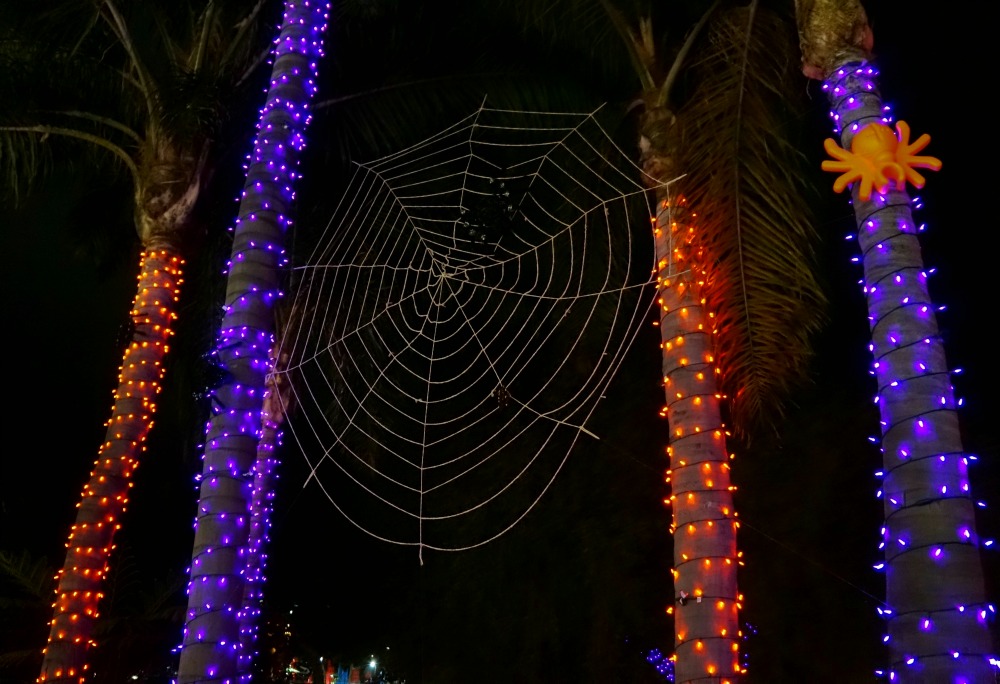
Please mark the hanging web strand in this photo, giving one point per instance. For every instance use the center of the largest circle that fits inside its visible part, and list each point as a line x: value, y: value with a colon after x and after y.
x: 460, y: 317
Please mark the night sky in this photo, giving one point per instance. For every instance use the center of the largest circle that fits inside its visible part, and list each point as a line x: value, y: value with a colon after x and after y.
x: 597, y: 547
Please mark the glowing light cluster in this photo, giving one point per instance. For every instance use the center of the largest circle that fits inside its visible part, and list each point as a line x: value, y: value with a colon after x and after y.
x: 265, y: 477
x: 928, y: 539
x: 105, y: 496
x: 704, y: 524
x: 235, y: 485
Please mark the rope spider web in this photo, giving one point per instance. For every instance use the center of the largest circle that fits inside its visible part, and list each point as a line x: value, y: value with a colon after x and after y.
x: 459, y: 319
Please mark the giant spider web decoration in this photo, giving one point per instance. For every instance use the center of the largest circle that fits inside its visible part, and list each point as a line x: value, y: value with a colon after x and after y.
x: 459, y: 319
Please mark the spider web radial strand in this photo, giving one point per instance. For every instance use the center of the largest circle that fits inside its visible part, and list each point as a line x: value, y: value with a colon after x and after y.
x: 459, y: 318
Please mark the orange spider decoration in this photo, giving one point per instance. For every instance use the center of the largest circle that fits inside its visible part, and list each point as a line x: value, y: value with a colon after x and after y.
x: 877, y: 156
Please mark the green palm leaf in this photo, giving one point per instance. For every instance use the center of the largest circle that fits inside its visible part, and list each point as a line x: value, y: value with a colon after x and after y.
x: 748, y: 184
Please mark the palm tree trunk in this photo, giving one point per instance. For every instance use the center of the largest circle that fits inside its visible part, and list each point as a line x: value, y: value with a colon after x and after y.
x: 936, y: 612
x: 105, y: 496
x: 707, y: 602
x: 265, y: 476
x: 261, y: 507
x: 210, y: 651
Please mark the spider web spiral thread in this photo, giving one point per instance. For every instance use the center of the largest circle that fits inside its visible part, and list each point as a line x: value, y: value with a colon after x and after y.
x: 458, y: 320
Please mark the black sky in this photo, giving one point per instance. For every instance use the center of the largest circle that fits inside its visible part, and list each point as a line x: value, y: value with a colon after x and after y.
x: 809, y: 585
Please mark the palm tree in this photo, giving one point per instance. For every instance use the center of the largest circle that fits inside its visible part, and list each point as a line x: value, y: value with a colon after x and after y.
x: 142, y: 86
x: 170, y: 72
x: 235, y: 482
x: 738, y: 298
x: 936, y: 611
x: 277, y: 402
x: 747, y: 261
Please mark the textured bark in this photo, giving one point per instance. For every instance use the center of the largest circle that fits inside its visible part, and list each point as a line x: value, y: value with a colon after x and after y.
x: 265, y: 476
x: 706, y: 608
x: 216, y: 623
x: 105, y: 496
x: 831, y: 33
x: 935, y: 596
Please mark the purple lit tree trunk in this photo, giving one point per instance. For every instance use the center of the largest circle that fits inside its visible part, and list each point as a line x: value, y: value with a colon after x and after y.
x: 221, y: 557
x: 276, y: 402
x: 936, y: 612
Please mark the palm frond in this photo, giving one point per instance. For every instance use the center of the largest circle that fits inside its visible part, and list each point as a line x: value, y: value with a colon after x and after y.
x: 595, y: 33
x: 27, y: 584
x: 394, y: 85
x: 60, y: 100
x: 135, y: 598
x: 242, y: 52
x: 22, y: 160
x: 745, y: 182
x: 29, y: 575
x: 13, y: 659
x: 135, y: 65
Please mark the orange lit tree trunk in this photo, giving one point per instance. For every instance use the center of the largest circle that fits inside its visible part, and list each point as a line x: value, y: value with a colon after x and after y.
x: 706, y: 611
x: 168, y: 182
x: 706, y: 599
x: 105, y: 496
